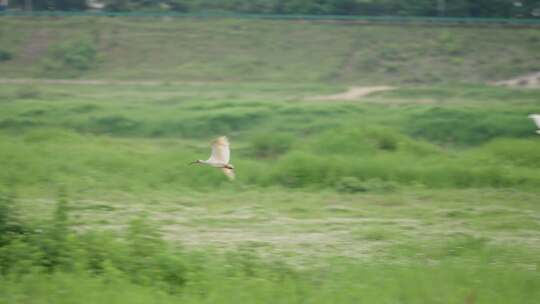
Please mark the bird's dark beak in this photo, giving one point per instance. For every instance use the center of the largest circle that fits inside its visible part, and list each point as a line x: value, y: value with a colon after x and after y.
x: 194, y: 162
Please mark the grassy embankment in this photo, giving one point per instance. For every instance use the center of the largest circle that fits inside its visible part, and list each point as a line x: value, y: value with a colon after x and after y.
x: 266, y: 51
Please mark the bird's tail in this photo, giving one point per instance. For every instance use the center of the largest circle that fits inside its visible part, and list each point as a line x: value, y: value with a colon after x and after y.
x: 229, y: 173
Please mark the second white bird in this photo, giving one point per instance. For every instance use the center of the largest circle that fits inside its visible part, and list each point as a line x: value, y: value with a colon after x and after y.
x: 536, y: 119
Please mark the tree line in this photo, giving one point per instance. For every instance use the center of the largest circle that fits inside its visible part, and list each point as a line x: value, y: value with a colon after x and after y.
x: 446, y: 8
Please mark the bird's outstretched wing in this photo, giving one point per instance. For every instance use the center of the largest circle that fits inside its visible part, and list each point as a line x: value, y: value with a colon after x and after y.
x: 220, y: 150
x: 229, y: 173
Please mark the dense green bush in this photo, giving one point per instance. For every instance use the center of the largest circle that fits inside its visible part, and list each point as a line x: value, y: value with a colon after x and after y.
x: 297, y: 169
x: 28, y: 92
x: 113, y: 125
x: 10, y: 225
x: 16, y: 124
x: 102, y: 163
x: 351, y: 184
x: 5, y: 55
x: 462, y: 127
x: 76, y: 56
x: 271, y: 145
x: 371, y: 159
x: 132, y: 143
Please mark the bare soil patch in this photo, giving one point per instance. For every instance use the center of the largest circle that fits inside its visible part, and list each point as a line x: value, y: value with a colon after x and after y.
x: 353, y: 93
x: 525, y: 81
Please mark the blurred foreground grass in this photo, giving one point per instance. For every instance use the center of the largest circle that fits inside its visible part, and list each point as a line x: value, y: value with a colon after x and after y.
x: 383, y: 251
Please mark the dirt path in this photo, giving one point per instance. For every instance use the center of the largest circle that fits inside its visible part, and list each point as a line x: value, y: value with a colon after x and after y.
x: 353, y: 93
x: 526, y: 81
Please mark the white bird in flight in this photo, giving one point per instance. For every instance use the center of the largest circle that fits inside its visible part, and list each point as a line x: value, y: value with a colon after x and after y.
x: 220, y: 157
x: 536, y: 118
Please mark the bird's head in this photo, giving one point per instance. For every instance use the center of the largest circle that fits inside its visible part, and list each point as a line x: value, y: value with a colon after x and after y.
x: 198, y: 161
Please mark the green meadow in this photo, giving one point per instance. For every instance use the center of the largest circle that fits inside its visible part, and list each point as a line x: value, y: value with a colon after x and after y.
x: 140, y: 138
x: 421, y: 194
x: 426, y: 193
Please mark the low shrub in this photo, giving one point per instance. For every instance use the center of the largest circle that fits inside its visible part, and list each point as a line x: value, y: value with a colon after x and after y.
x: 71, y: 56
x: 28, y: 92
x: 460, y: 127
x: 351, y: 184
x: 5, y: 55
x: 113, y: 124
x: 271, y: 145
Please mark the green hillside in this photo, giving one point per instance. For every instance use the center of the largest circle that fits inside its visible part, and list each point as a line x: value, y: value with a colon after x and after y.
x: 261, y: 50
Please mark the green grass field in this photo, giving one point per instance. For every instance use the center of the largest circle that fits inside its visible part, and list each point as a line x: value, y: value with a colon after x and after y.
x: 427, y: 193
x: 421, y: 194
